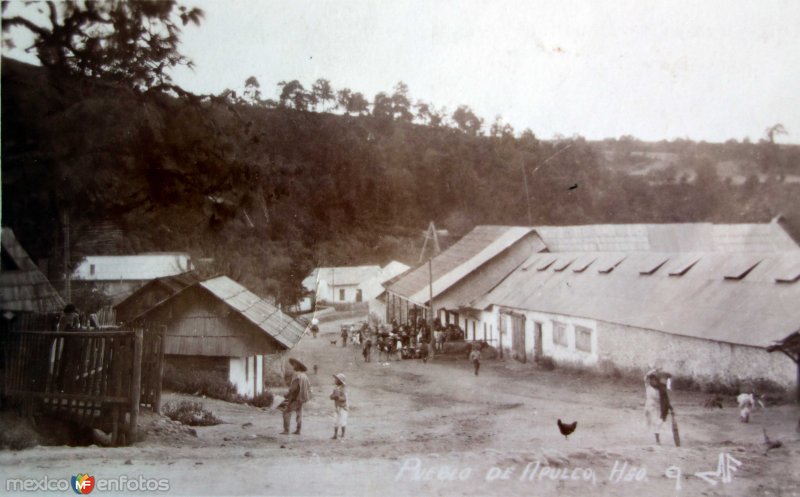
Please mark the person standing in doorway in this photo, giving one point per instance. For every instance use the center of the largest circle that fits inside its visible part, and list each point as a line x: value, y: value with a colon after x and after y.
x: 299, y: 394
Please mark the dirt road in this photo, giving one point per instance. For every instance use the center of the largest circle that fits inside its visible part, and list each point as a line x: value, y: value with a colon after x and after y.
x: 436, y: 429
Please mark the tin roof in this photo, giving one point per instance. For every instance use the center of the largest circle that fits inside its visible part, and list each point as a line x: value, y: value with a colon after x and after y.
x: 449, y: 267
x: 744, y: 298
x: 258, y: 311
x: 132, y: 267
x: 268, y: 318
x: 23, y: 288
x: 678, y: 237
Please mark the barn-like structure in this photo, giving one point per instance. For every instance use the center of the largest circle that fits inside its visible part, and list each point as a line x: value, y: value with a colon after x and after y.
x: 218, y: 325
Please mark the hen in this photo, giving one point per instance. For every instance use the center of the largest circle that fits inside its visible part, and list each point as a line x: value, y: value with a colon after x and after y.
x: 567, y: 429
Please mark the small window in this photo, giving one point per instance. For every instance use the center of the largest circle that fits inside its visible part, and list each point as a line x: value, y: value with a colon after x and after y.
x: 341, y: 294
x: 562, y: 265
x: 610, y: 264
x: 91, y: 269
x: 650, y: 267
x: 683, y: 266
x: 583, y: 339
x: 530, y: 263
x: 359, y: 295
x: 582, y: 265
x: 739, y: 271
x: 560, y: 334
x: 546, y: 264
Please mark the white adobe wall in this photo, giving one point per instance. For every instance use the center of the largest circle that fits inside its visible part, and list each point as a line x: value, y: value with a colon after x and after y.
x: 703, y: 360
x: 247, y: 374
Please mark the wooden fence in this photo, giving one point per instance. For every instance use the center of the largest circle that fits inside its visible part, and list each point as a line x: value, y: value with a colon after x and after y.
x: 93, y: 378
x: 154, y: 338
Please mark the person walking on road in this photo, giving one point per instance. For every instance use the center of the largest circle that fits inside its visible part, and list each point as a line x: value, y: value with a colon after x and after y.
x: 367, y: 350
x: 299, y: 394
x: 339, y: 397
x: 475, y: 357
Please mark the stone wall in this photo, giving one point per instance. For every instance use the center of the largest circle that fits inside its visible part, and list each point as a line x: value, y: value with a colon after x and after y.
x: 705, y: 361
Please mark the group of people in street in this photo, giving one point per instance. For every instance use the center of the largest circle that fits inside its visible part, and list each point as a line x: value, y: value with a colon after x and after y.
x: 395, y: 339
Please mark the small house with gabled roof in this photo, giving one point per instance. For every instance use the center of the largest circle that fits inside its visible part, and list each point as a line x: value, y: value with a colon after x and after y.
x: 218, y: 325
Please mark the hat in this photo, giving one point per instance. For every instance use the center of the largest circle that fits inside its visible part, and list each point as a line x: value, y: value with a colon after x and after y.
x: 297, y: 365
x: 340, y: 377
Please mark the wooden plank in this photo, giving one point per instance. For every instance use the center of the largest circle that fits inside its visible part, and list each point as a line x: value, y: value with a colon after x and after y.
x: 160, y: 375
x: 136, y: 384
x: 71, y: 396
x: 60, y: 334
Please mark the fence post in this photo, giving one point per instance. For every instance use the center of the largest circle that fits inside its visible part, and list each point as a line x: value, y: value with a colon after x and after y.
x: 160, y: 377
x: 136, y: 384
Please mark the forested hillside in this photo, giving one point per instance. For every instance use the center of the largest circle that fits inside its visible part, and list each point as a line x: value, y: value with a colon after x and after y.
x: 270, y: 191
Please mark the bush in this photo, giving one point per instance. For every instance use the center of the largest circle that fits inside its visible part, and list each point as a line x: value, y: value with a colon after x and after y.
x: 190, y: 413
x: 767, y: 386
x: 263, y: 399
x: 214, y: 386
x: 685, y: 383
x: 274, y: 379
x: 608, y: 368
x: 199, y: 383
x: 547, y: 363
x: 721, y: 387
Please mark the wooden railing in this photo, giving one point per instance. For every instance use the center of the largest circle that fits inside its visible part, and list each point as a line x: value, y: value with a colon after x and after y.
x: 93, y: 378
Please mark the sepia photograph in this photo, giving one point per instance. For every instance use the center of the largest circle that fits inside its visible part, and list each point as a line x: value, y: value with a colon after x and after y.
x: 400, y: 248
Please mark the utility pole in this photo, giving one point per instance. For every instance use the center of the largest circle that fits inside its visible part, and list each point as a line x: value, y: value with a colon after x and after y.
x: 431, y: 345
x: 432, y: 235
x: 67, y: 283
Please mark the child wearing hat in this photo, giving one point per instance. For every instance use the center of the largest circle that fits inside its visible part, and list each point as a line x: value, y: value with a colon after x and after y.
x: 339, y: 397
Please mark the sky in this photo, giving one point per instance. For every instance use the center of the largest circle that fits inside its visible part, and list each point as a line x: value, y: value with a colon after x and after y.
x: 656, y: 70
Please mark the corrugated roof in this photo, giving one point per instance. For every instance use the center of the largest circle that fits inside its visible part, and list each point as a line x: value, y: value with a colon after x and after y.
x: 173, y: 284
x: 132, y: 267
x: 487, y: 276
x: 677, y: 297
x: 258, y: 311
x: 680, y: 237
x: 470, y: 252
x: 25, y: 289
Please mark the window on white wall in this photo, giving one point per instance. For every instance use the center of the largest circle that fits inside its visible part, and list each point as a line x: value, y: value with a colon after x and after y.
x: 583, y: 339
x: 560, y: 334
x: 341, y: 294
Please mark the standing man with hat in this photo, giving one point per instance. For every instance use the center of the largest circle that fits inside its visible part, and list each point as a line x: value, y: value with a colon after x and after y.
x: 299, y: 394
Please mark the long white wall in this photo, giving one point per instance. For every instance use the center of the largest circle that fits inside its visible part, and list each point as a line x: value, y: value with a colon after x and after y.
x: 603, y: 344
